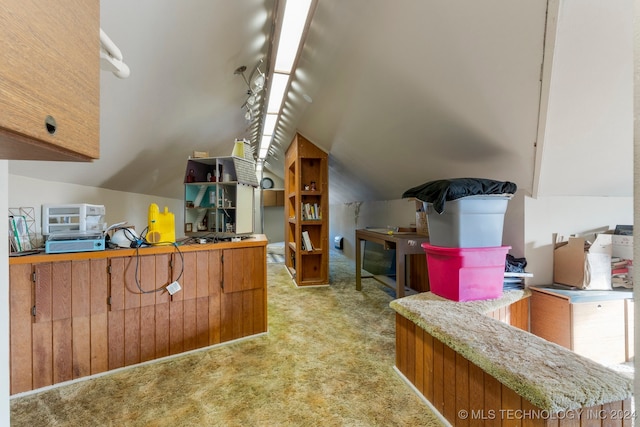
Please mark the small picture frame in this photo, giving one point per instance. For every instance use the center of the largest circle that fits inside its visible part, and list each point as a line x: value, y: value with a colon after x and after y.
x: 188, y: 227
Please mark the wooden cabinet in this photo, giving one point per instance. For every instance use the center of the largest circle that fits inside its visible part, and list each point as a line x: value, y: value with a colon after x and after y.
x: 307, y: 212
x: 595, y: 326
x: 272, y: 198
x: 219, y: 196
x: 50, y: 80
x: 77, y: 317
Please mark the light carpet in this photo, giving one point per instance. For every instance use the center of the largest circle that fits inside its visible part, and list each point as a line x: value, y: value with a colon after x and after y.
x: 327, y: 360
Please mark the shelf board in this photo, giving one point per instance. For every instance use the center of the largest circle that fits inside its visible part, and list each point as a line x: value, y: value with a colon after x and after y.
x: 292, y: 246
x: 316, y: 251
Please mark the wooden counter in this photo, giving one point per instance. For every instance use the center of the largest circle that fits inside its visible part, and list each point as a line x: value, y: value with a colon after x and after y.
x: 473, y: 369
x: 79, y: 314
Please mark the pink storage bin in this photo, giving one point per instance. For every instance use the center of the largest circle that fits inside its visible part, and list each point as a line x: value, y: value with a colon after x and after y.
x: 466, y: 274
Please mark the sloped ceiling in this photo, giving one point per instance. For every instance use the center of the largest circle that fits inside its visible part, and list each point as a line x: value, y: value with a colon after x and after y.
x: 402, y: 92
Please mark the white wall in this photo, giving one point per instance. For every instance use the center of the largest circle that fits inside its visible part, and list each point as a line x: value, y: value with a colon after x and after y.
x: 4, y: 300
x: 272, y: 224
x: 119, y: 206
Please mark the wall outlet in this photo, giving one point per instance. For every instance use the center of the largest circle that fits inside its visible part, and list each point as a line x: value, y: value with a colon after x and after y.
x: 173, y: 287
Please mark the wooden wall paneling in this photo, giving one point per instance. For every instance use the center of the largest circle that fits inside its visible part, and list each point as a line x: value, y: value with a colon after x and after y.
x: 161, y: 320
x: 99, y: 317
x: 150, y: 288
x: 236, y: 315
x: 189, y: 280
x: 42, y: 354
x: 116, y: 284
x: 461, y: 393
x: 259, y: 311
x: 202, y: 274
x: 20, y: 303
x: 511, y: 406
x: 176, y: 314
x: 449, y: 370
x: 62, y: 350
x: 492, y: 399
x: 202, y: 301
x: 419, y: 358
x: 537, y: 422
x: 427, y: 341
x: 522, y: 308
x: 410, y: 361
x: 476, y: 393
x: 190, y: 324
x: 132, y: 301
x: 401, y: 339
x: 215, y: 278
x: 61, y: 319
x: 42, y: 329
x: 202, y: 322
x: 42, y: 292
x: 81, y: 317
x: 116, y: 313
x: 226, y: 302
x: 438, y: 376
x: 61, y: 290
x: 247, y: 313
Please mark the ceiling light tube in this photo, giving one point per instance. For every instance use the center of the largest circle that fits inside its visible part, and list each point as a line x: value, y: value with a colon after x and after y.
x: 276, y: 95
x: 270, y: 124
x: 293, y: 23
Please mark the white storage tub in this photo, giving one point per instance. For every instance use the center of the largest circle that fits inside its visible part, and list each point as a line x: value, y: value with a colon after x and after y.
x: 468, y: 222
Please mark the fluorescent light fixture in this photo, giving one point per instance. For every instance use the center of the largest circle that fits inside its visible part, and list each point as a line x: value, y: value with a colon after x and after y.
x: 265, y: 142
x: 293, y: 22
x: 259, y: 165
x: 270, y: 124
x: 278, y: 86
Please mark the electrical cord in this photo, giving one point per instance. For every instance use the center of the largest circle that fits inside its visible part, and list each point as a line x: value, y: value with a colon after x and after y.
x: 163, y: 287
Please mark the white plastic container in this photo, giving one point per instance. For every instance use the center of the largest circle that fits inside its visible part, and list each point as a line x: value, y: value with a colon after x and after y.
x: 73, y: 218
x: 468, y: 222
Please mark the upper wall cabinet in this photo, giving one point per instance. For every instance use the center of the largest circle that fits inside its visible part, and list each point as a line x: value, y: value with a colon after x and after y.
x: 50, y: 80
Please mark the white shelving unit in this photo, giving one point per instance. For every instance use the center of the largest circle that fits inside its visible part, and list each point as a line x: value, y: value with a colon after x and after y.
x: 219, y: 196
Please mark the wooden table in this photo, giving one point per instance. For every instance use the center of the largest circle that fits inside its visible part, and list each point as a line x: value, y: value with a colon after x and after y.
x: 405, y: 243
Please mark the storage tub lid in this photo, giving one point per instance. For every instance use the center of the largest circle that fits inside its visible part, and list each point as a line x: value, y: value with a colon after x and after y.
x: 437, y: 192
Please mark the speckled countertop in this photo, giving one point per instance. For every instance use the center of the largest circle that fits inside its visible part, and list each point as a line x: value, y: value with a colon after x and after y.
x: 549, y: 376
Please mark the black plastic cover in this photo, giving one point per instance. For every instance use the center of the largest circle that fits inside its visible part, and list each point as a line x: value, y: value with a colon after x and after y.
x: 440, y: 191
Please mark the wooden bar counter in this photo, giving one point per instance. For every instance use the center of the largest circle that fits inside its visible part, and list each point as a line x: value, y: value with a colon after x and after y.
x: 79, y: 314
x: 477, y: 370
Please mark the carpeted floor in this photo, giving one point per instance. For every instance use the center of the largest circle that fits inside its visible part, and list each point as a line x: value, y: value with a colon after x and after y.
x: 327, y: 360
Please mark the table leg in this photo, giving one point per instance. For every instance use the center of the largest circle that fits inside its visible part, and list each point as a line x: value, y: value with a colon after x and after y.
x: 399, y: 272
x: 358, y: 266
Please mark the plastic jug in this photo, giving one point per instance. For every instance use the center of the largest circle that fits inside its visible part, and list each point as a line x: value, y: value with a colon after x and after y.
x: 162, y: 227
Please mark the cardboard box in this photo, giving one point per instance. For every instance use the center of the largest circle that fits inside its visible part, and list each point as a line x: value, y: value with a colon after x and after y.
x: 421, y: 218
x: 589, y: 268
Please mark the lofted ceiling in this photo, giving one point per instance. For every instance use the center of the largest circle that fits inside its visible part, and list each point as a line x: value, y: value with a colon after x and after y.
x: 397, y: 92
